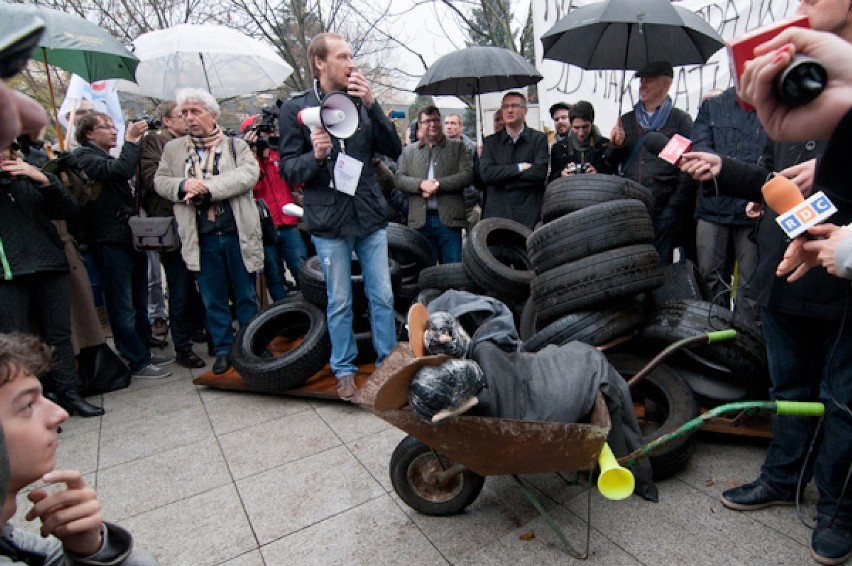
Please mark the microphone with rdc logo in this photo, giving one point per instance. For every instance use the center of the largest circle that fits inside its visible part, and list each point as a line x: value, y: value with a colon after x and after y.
x: 666, y: 148
x: 795, y: 213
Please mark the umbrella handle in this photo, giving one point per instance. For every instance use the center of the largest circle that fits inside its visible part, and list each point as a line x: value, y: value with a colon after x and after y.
x: 52, y: 100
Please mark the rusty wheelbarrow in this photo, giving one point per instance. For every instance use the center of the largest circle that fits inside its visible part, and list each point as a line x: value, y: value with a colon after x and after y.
x: 441, y: 469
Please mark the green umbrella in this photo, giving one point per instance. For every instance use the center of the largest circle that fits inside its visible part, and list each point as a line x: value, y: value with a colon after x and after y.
x: 71, y: 43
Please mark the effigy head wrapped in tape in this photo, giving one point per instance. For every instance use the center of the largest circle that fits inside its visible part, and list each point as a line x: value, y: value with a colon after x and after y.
x: 438, y: 392
x: 444, y: 335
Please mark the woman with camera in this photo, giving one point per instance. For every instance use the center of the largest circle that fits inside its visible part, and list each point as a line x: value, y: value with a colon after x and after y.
x: 34, y: 283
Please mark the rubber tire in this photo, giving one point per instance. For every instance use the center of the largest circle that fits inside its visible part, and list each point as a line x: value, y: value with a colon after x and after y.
x: 683, y: 281
x: 567, y: 194
x: 447, y: 276
x: 290, y: 319
x: 411, y: 250
x: 665, y: 389
x: 744, y: 357
x: 508, y: 276
x: 588, y: 231
x: 412, y: 456
x: 604, y: 277
x: 528, y: 325
x: 595, y: 327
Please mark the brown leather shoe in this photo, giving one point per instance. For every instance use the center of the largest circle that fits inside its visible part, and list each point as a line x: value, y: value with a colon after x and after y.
x: 346, y: 387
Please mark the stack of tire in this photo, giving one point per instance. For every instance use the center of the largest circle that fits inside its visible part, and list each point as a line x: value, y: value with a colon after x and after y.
x: 594, y: 262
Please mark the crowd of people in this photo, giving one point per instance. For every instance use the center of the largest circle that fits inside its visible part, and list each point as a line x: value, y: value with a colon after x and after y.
x: 208, y: 181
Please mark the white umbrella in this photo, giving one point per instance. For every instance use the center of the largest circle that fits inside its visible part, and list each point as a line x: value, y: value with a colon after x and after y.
x: 218, y: 59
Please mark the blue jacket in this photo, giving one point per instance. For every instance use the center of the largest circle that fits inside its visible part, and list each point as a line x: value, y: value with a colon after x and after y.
x: 330, y: 213
x: 724, y: 128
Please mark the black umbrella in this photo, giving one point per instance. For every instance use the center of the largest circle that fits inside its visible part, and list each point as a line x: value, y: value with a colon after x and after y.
x: 476, y: 70
x: 629, y: 34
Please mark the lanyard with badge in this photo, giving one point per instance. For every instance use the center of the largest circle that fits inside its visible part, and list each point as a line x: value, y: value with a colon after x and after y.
x: 347, y: 170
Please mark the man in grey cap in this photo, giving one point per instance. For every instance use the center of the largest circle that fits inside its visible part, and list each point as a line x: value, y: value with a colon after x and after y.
x: 672, y: 189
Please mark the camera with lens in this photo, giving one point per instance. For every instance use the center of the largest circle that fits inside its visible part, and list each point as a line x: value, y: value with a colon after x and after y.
x: 152, y: 121
x: 576, y: 168
x: 269, y: 125
x: 201, y: 201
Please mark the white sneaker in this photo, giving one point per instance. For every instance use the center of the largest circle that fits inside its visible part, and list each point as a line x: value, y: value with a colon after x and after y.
x: 151, y: 372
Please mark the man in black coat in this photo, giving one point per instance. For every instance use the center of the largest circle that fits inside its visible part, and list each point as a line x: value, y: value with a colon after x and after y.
x: 343, y: 219
x: 672, y: 189
x: 513, y: 166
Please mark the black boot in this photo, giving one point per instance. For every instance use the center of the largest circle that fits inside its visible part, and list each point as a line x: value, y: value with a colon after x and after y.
x: 74, y: 404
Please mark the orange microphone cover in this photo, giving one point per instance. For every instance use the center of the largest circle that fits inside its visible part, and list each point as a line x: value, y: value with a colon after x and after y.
x: 781, y: 194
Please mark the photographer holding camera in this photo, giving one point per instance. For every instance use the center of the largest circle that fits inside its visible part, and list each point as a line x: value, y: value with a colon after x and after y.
x: 582, y: 149
x: 123, y: 270
x: 261, y: 133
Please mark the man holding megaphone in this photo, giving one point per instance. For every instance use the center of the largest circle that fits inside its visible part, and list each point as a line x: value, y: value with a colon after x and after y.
x: 328, y: 136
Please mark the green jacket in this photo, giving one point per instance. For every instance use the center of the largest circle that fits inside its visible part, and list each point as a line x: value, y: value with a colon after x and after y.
x: 452, y: 170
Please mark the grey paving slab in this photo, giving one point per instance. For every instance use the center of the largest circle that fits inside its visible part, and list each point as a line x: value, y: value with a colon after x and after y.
x: 535, y: 544
x: 374, y: 453
x: 231, y: 410
x: 125, y: 441
x: 78, y: 425
x: 499, y: 510
x: 350, y: 421
x: 78, y: 452
x: 273, y: 443
x: 208, y: 528
x: 687, y: 527
x: 147, y: 483
x: 131, y: 405
x: 252, y: 558
x: 375, y: 533
x: 305, y: 492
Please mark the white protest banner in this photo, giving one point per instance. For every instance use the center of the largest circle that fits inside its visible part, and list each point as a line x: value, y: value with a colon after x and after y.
x: 566, y: 83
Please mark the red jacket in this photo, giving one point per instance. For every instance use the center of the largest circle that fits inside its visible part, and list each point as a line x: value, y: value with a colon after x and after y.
x: 273, y: 189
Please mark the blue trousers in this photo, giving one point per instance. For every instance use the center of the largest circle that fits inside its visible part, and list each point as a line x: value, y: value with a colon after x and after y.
x: 336, y: 260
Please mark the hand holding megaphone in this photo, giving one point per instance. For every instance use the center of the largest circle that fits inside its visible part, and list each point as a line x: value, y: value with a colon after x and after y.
x: 336, y: 114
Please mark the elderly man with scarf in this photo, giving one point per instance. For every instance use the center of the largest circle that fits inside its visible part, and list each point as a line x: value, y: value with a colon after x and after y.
x: 210, y: 177
x: 654, y: 113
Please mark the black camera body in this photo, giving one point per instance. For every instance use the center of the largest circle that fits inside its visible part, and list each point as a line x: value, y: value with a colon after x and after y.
x: 152, y: 121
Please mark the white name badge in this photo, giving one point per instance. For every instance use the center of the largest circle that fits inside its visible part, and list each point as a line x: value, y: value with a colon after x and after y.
x: 347, y: 172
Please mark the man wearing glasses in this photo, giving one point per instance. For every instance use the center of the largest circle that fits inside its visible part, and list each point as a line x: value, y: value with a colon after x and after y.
x: 513, y: 166
x: 180, y: 282
x: 123, y: 270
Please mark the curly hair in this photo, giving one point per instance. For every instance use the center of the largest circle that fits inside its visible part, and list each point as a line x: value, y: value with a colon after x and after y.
x: 23, y: 351
x: 86, y: 125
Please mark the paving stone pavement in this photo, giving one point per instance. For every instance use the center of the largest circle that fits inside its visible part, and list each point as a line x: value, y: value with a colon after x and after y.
x: 204, y: 477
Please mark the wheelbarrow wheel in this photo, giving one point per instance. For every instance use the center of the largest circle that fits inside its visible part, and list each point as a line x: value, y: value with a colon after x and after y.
x: 413, y: 469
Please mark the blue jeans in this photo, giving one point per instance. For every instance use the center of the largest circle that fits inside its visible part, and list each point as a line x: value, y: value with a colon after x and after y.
x: 124, y: 278
x: 94, y: 278
x: 290, y: 248
x: 336, y: 260
x: 809, y: 362
x: 222, y: 265
x: 446, y: 242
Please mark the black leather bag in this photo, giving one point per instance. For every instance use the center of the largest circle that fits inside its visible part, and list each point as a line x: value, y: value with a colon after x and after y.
x: 101, y: 370
x: 267, y: 225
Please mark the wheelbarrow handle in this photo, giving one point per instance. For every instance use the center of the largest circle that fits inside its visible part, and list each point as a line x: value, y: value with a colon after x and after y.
x: 797, y: 408
x: 708, y: 338
x: 800, y: 408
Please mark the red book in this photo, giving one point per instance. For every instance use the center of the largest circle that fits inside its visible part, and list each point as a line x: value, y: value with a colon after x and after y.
x: 741, y: 49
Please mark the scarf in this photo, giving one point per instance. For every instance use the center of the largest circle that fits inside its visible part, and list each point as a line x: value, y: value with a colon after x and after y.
x: 199, y: 170
x: 651, y: 122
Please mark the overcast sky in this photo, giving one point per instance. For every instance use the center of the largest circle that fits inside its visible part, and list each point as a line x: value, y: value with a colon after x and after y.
x: 430, y: 29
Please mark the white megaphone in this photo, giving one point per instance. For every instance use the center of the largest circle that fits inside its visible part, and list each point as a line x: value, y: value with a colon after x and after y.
x: 337, y: 114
